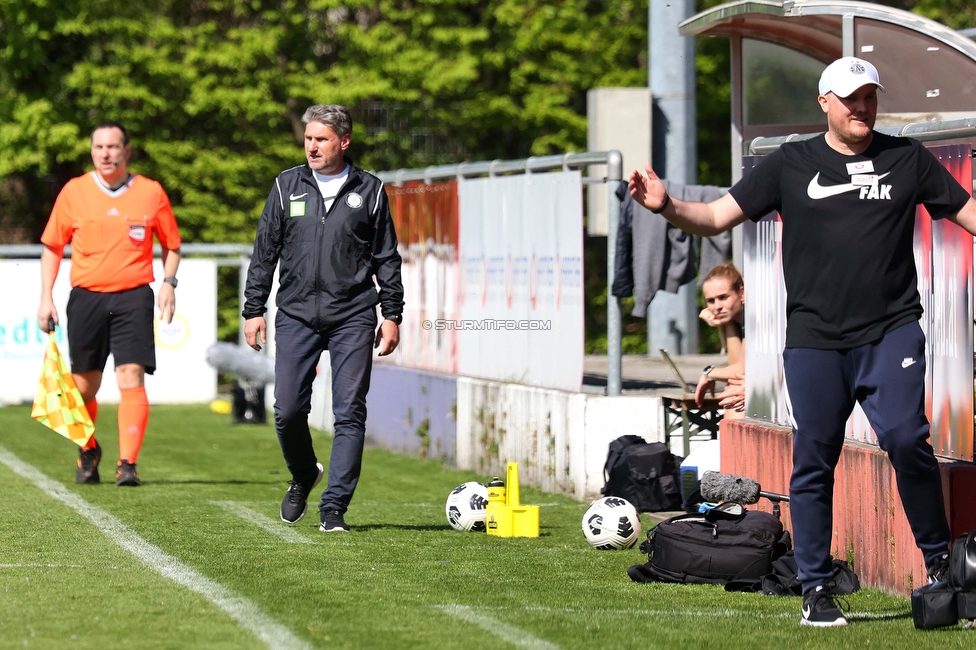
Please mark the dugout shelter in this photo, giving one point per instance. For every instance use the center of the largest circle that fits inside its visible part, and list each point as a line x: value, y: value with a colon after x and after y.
x: 779, y: 50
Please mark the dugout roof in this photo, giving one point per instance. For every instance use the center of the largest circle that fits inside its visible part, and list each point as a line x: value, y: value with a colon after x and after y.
x: 779, y: 50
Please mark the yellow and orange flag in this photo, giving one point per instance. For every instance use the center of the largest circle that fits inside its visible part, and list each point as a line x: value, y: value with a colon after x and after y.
x: 57, y: 402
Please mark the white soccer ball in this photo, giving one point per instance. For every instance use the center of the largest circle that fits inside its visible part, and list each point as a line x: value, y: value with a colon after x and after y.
x: 467, y: 507
x: 611, y: 522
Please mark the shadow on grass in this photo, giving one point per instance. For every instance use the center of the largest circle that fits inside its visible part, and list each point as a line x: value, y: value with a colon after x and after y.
x: 420, y: 527
x: 206, y: 482
x: 866, y: 617
x: 423, y: 527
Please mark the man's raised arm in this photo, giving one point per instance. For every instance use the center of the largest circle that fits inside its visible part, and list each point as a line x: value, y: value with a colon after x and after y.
x: 705, y: 219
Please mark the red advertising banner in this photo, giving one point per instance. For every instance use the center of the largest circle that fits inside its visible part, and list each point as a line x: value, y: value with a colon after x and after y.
x: 426, y: 220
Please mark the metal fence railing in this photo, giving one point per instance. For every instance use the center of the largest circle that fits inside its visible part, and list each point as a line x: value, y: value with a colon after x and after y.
x: 614, y: 162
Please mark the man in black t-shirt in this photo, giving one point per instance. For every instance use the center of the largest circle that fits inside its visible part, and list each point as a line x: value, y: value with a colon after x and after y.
x: 847, y: 200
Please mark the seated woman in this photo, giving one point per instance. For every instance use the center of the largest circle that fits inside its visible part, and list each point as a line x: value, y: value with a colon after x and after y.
x: 724, y: 295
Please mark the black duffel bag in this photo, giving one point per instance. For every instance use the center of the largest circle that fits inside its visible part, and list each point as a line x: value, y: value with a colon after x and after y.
x: 722, y: 544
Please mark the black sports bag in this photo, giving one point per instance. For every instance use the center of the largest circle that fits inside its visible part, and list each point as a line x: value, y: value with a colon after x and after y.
x: 962, y: 562
x: 934, y: 605
x: 725, y: 543
x: 646, y: 474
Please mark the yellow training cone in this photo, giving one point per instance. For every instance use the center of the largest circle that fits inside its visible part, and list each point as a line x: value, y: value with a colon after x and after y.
x: 58, y: 403
x: 506, y: 516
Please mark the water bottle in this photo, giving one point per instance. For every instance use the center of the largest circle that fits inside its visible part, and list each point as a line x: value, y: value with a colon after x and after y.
x: 496, y: 491
x: 496, y: 503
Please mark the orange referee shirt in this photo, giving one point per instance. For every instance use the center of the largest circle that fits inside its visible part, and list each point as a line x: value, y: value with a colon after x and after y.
x: 111, y: 232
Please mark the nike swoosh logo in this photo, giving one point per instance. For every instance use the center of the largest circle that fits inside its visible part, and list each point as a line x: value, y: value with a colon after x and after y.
x: 816, y: 191
x: 907, y: 362
x: 292, y: 197
x: 806, y: 611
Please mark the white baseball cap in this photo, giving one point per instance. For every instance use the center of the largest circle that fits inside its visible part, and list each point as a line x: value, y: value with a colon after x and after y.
x: 844, y: 76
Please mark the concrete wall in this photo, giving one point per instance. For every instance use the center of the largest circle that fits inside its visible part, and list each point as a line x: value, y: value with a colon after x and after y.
x: 559, y: 438
x: 407, y: 411
x: 540, y: 429
x: 412, y: 412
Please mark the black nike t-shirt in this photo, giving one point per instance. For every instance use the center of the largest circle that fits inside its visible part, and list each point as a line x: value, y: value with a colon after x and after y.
x: 848, y: 226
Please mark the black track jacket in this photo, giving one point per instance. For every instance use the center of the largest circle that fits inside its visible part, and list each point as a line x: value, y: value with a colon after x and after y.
x: 326, y: 260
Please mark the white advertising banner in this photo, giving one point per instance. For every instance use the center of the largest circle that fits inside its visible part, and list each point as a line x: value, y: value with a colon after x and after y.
x: 521, y: 251
x: 182, y: 373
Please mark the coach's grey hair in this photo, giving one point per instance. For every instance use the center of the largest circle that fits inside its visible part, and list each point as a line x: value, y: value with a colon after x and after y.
x: 333, y: 116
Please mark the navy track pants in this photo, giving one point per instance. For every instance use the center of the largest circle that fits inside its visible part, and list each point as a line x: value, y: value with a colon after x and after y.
x: 297, y: 351
x: 888, y: 379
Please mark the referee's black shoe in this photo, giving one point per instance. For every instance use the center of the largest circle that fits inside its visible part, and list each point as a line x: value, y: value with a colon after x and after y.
x: 820, y: 610
x: 87, y: 471
x: 126, y: 474
x: 295, y: 503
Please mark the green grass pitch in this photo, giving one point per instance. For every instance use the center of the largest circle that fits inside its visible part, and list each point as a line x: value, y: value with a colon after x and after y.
x: 208, y: 513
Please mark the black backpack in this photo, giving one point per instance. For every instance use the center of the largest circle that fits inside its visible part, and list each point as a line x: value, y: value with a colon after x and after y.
x: 784, y: 581
x: 720, y: 545
x: 646, y: 474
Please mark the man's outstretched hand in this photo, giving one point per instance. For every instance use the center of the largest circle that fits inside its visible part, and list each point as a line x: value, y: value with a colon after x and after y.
x: 648, y: 190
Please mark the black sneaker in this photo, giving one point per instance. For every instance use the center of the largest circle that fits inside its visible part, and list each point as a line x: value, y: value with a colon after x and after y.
x: 939, y: 569
x: 820, y: 610
x: 87, y: 471
x: 125, y: 474
x: 332, y: 522
x: 295, y: 503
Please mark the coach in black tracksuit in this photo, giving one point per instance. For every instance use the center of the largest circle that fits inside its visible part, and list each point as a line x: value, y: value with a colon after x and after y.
x: 847, y: 200
x: 327, y: 227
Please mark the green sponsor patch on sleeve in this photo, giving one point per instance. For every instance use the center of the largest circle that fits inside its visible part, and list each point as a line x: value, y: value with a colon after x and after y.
x: 297, y: 209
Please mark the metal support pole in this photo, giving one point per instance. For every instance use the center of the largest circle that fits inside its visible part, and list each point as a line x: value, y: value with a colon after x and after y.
x: 615, y: 167
x: 672, y: 322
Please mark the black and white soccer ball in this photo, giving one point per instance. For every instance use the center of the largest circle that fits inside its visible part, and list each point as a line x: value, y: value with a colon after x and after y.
x: 611, y: 523
x: 467, y: 507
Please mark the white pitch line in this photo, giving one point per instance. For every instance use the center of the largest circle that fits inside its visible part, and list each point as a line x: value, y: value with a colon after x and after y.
x: 515, y: 636
x: 246, y: 613
x: 263, y: 521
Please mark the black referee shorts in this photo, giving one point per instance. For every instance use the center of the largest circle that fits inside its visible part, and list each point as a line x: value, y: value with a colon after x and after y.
x: 120, y: 323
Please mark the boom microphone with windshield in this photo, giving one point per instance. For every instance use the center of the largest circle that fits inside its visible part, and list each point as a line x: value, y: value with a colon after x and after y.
x: 252, y: 371
x: 244, y: 363
x: 717, y: 487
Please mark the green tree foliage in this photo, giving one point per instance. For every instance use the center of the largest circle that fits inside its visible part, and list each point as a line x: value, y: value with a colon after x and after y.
x: 213, y: 92
x: 957, y: 14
